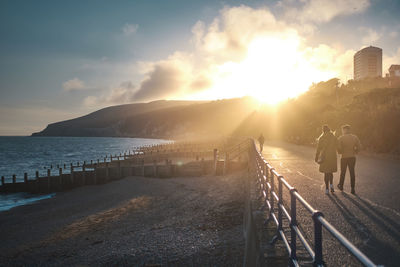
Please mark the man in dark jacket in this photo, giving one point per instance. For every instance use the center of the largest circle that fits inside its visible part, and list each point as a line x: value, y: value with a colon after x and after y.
x: 348, y: 145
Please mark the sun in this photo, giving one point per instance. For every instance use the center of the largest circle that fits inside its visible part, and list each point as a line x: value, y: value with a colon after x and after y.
x: 274, y: 70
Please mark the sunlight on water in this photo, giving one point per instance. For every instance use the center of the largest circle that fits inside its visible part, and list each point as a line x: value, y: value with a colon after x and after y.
x: 30, y: 154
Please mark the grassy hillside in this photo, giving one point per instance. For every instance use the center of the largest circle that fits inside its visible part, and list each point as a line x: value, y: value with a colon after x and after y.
x: 369, y: 106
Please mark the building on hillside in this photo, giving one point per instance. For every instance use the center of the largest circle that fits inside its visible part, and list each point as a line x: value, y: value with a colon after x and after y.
x: 394, y: 71
x: 368, y: 63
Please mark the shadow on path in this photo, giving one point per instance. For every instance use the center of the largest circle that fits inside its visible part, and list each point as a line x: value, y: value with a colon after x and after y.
x: 379, y: 252
x: 377, y: 216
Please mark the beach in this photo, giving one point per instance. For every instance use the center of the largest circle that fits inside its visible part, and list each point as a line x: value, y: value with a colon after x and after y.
x: 136, y: 221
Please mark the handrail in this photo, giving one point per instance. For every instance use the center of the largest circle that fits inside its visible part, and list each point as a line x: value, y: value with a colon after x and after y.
x: 266, y: 176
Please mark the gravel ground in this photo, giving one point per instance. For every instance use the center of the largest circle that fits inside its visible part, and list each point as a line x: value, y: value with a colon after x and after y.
x: 192, y: 221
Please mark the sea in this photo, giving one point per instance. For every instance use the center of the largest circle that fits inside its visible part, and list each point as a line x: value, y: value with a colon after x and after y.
x: 25, y: 154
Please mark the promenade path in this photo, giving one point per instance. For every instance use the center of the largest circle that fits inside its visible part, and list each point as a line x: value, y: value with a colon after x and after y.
x: 370, y: 219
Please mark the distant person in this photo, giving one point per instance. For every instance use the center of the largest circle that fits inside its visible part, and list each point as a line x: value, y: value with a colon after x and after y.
x: 348, y: 145
x: 326, y: 156
x: 261, y: 140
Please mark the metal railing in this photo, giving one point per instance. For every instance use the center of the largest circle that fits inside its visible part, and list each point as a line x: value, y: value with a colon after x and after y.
x: 267, y: 176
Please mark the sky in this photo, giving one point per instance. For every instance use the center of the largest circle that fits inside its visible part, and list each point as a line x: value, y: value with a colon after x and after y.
x: 63, y: 59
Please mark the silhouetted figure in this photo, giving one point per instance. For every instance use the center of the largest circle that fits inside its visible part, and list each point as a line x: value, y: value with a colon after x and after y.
x: 348, y: 145
x: 261, y: 140
x: 326, y: 156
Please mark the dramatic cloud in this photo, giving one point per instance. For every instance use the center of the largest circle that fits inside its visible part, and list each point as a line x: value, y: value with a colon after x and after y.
x: 130, y: 29
x: 118, y: 95
x: 246, y: 51
x: 74, y: 84
x: 317, y: 11
x: 370, y: 36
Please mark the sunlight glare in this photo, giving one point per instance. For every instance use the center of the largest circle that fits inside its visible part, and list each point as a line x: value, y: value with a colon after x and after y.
x: 275, y: 69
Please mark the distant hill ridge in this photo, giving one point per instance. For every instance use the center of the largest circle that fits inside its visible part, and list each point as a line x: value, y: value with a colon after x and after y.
x: 104, y: 122
x: 158, y: 119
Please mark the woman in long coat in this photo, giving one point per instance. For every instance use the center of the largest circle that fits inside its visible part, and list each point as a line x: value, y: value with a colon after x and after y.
x: 326, y: 156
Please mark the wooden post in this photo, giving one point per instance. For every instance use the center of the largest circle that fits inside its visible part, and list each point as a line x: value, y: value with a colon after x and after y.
x: 72, y: 175
x: 48, y: 179
x: 60, y: 178
x: 37, y: 180
x: 65, y: 167
x: 107, y: 172
x: 119, y: 170
x: 143, y: 167
x: 25, y: 178
x: 215, y: 160
x: 226, y: 162
x: 14, y: 179
x: 84, y: 173
x: 155, y: 168
x: 2, y: 180
x: 95, y: 173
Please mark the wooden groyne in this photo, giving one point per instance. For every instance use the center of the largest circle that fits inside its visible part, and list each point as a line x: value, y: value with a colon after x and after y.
x: 163, y: 161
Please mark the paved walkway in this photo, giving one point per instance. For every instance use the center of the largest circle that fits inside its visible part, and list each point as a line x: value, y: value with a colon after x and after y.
x: 370, y: 219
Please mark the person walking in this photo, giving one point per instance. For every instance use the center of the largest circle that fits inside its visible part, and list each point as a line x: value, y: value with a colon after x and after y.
x: 348, y: 146
x: 261, y: 140
x: 326, y: 157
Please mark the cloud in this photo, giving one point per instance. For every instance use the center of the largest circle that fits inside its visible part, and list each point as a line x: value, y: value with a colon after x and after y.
x: 388, y: 60
x: 242, y: 51
x: 120, y: 94
x: 74, y: 85
x: 370, y: 37
x: 321, y: 11
x: 394, y: 34
x: 130, y: 29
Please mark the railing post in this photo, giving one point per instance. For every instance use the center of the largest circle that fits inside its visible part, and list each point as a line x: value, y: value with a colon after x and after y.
x: 2, y: 180
x: 280, y: 203
x: 265, y: 172
x: 271, y: 196
x: 293, y: 222
x: 317, y: 239
x: 14, y: 178
x: 25, y: 178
